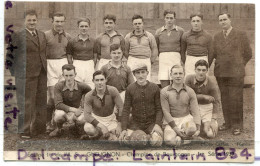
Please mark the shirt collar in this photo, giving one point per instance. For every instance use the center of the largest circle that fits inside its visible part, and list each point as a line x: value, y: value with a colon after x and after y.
x: 196, y: 32
x: 110, y: 65
x: 95, y: 92
x: 173, y: 28
x: 55, y: 32
x: 133, y: 34
x: 228, y: 31
x: 75, y: 87
x: 172, y: 88
x: 80, y: 39
x: 117, y: 33
x: 204, y: 83
x: 31, y: 31
x: 142, y: 86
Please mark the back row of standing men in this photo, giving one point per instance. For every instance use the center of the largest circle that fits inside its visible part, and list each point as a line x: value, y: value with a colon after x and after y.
x: 230, y: 48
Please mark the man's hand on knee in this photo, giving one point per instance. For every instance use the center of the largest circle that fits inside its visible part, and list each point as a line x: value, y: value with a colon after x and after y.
x: 117, y: 130
x: 180, y: 133
x: 78, y: 112
x: 104, y: 130
x: 156, y: 139
x: 214, y: 127
x: 197, y: 131
x: 122, y: 137
x: 157, y: 129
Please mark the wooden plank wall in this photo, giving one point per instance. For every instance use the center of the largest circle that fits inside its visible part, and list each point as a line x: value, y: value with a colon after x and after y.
x: 126, y: 10
x: 152, y: 13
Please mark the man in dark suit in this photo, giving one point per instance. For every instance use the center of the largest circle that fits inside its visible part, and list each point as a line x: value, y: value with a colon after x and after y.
x: 29, y: 69
x: 232, y: 51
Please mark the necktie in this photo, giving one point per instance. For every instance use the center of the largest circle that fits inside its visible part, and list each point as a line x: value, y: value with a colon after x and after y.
x: 225, y: 34
x: 35, y: 37
x: 34, y: 34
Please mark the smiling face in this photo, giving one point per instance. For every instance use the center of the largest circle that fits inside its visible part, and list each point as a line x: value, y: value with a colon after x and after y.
x: 69, y: 76
x: 177, y: 75
x: 196, y: 23
x: 201, y: 72
x: 224, y: 21
x: 83, y: 27
x: 138, y: 25
x: 31, y: 22
x: 109, y: 25
x: 169, y: 20
x: 58, y: 23
x: 141, y: 76
x: 116, y: 55
x: 100, y: 82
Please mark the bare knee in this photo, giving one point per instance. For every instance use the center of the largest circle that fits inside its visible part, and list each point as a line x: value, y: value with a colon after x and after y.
x: 156, y: 140
x: 173, y: 141
x: 190, y: 128
x: 209, y: 132
x: 80, y: 120
x: 170, y: 138
x: 89, y: 129
x: 112, y: 137
x: 59, y: 116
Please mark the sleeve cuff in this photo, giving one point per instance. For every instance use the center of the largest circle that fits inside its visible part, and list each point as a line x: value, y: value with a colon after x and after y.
x: 172, y: 124
x: 94, y: 122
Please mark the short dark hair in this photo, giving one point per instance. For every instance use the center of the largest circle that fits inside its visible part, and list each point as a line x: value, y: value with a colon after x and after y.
x: 136, y: 16
x: 68, y: 67
x: 201, y: 62
x: 99, y: 72
x: 168, y: 11
x: 229, y: 16
x: 196, y: 14
x: 110, y: 17
x: 178, y: 66
x: 30, y: 12
x: 114, y: 47
x: 58, y: 14
x: 83, y: 20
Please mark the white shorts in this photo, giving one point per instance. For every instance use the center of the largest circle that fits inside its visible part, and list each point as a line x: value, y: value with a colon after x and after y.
x: 102, y: 62
x: 206, y: 112
x: 190, y: 63
x: 166, y: 61
x: 84, y: 70
x: 178, y: 121
x: 132, y: 61
x: 109, y: 121
x: 54, y: 70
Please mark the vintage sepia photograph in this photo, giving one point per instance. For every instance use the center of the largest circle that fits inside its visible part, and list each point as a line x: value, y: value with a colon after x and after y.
x: 143, y: 82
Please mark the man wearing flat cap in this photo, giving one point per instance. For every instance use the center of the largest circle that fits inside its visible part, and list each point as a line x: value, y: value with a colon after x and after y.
x: 144, y: 99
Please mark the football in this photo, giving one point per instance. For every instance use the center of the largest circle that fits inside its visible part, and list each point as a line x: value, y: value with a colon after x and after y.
x: 189, y: 128
x: 138, y: 138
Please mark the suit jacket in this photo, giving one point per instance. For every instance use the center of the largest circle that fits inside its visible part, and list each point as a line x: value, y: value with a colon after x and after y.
x: 231, y: 54
x: 30, y: 56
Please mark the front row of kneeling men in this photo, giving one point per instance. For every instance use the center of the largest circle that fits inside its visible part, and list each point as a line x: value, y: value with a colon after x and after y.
x: 172, y: 114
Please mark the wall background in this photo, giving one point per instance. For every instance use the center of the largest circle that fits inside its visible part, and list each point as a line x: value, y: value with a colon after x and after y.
x: 243, y: 17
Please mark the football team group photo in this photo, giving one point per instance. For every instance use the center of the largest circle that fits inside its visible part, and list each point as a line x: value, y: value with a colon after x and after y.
x: 102, y: 87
